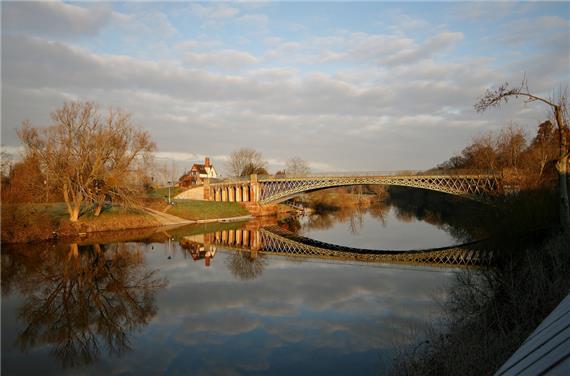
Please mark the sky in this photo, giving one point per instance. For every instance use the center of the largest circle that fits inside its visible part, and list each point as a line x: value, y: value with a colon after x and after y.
x: 346, y: 86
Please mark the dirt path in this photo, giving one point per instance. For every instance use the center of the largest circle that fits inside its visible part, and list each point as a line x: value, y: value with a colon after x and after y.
x: 167, y: 219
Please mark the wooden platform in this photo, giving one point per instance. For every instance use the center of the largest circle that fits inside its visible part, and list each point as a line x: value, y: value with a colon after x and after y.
x: 547, y: 350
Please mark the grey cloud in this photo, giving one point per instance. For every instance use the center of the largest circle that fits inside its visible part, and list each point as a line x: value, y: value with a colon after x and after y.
x: 388, y: 49
x: 54, y: 18
x: 147, y: 25
x: 432, y: 46
x: 226, y: 59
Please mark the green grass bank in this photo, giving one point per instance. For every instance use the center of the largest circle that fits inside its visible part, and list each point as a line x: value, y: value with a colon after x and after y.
x: 197, y: 210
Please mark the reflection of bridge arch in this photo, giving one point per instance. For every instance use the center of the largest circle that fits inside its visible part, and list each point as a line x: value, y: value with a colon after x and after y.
x: 274, y: 240
x: 273, y: 190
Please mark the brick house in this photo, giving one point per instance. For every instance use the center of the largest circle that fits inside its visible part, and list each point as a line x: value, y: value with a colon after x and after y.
x: 198, y: 173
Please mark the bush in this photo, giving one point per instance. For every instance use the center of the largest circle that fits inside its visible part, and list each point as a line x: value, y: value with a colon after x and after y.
x: 489, y: 313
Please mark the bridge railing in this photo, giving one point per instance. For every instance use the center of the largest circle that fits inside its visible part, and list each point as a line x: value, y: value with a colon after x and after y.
x: 386, y: 173
x: 364, y: 173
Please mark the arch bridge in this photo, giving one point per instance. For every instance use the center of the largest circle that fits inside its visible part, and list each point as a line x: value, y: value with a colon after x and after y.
x: 271, y: 190
x: 277, y: 241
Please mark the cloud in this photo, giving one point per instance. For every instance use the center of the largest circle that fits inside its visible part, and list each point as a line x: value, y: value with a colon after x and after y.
x: 374, y: 92
x: 55, y: 18
x: 257, y: 20
x: 226, y: 59
x: 379, y: 49
x: 433, y: 45
x: 214, y: 12
x: 537, y: 30
x: 144, y: 24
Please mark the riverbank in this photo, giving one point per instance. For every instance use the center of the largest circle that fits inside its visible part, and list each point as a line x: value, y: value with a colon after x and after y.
x: 490, y: 312
x: 31, y: 222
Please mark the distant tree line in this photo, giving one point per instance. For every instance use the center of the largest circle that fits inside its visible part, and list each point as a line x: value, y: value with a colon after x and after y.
x: 510, y: 150
x: 247, y: 161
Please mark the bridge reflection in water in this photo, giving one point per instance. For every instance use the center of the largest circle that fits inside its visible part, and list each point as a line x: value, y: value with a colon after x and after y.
x: 277, y: 241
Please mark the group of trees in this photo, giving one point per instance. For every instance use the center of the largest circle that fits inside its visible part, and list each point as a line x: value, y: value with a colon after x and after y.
x: 83, y: 158
x: 511, y: 150
x: 559, y: 111
x: 246, y: 161
x: 88, y: 159
x: 534, y: 163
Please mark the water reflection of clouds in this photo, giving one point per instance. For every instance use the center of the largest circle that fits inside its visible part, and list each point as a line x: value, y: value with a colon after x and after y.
x: 346, y: 309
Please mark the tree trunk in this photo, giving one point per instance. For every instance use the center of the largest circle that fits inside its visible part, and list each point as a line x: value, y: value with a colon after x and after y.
x: 72, y: 203
x: 99, y: 203
x: 74, y: 215
x: 562, y: 167
x: 73, y: 251
x: 98, y: 209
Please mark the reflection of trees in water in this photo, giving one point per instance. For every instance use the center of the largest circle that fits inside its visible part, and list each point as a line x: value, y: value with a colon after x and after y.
x: 356, y: 219
x: 246, y: 265
x: 460, y: 218
x: 82, y: 299
x: 352, y: 215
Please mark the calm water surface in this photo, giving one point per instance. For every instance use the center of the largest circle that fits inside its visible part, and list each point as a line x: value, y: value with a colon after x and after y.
x: 169, y: 305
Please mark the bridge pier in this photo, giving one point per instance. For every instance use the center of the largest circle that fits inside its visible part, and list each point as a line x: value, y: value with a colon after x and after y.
x: 245, y: 238
x: 238, y: 193
x: 232, y: 237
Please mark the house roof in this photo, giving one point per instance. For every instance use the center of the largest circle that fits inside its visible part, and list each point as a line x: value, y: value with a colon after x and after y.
x: 201, y: 168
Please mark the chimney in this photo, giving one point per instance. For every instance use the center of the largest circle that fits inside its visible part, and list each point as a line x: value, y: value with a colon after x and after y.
x: 207, y: 162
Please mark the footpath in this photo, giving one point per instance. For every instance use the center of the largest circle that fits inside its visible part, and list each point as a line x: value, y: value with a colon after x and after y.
x: 172, y: 220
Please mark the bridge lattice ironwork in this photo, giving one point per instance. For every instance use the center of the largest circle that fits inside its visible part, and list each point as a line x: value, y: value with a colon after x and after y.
x: 276, y: 241
x: 475, y: 187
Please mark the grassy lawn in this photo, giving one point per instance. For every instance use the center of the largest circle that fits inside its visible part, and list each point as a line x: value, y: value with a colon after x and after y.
x: 195, y: 209
x: 35, y: 213
x: 163, y: 192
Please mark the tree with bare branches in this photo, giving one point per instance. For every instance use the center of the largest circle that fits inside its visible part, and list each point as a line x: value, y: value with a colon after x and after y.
x: 496, y: 96
x: 93, y: 158
x: 297, y: 167
x: 246, y: 161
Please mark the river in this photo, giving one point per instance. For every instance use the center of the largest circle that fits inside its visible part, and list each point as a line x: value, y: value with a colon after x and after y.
x: 181, y: 302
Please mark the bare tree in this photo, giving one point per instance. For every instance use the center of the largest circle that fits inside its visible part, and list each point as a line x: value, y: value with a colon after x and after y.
x: 92, y: 158
x: 543, y: 149
x: 297, y: 167
x: 246, y: 161
x: 6, y: 163
x: 511, y: 144
x: 494, y: 97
